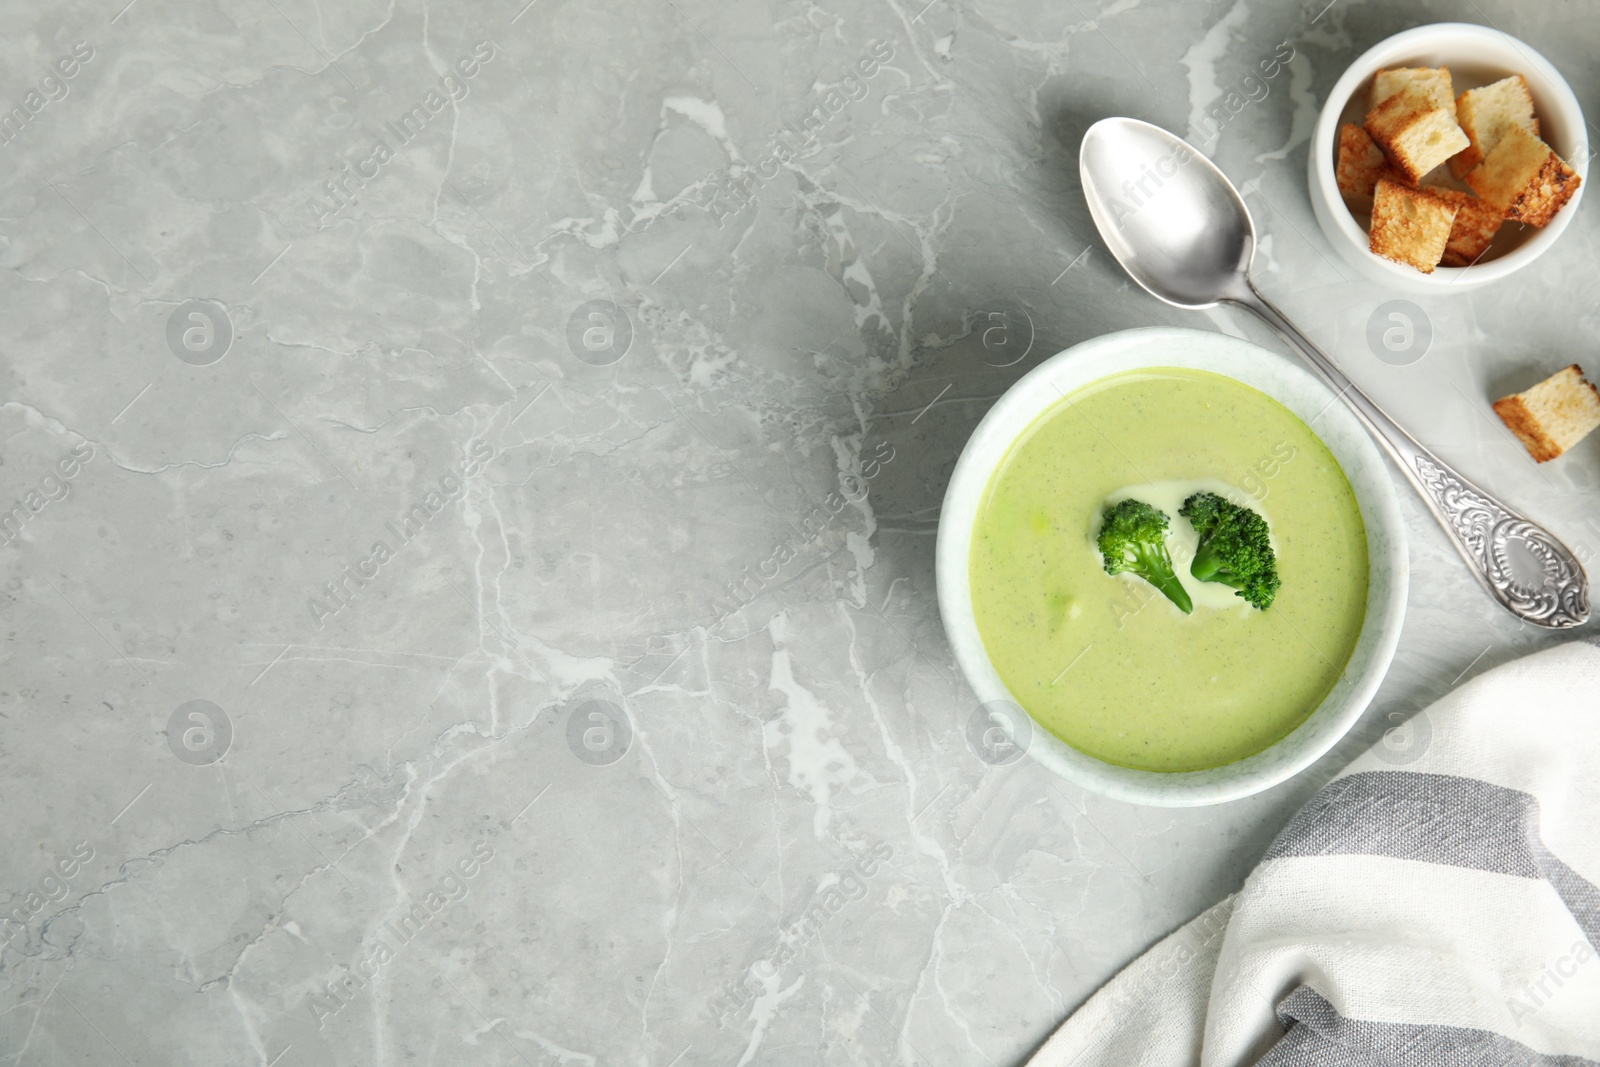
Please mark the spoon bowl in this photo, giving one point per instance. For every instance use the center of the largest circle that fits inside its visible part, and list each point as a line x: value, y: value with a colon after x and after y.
x: 1185, y: 241
x: 1182, y: 231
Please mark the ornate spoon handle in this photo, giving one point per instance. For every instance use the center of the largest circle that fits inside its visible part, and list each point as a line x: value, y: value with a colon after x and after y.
x: 1532, y: 574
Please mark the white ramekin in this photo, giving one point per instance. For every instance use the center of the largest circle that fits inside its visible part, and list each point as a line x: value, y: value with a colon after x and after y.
x: 1476, y: 55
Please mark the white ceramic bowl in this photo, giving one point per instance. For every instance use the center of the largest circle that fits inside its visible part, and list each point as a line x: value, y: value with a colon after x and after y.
x: 1476, y: 55
x: 1277, y: 376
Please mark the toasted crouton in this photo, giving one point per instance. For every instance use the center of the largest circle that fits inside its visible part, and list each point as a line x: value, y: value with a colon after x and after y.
x: 1524, y: 178
x: 1410, y: 226
x: 1415, y: 132
x: 1476, y: 223
x: 1432, y: 81
x: 1484, y: 116
x: 1554, y: 415
x: 1361, y: 163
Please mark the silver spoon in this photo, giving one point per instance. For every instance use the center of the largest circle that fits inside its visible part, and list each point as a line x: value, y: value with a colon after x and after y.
x: 1181, y: 230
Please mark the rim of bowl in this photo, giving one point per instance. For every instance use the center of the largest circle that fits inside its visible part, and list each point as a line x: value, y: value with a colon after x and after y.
x: 1530, y: 62
x: 1127, y: 350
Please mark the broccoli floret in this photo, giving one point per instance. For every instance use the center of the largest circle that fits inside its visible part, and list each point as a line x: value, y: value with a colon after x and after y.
x: 1133, y: 538
x: 1234, y: 548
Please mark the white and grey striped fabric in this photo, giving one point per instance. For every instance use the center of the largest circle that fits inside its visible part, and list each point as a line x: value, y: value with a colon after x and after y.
x: 1438, y: 908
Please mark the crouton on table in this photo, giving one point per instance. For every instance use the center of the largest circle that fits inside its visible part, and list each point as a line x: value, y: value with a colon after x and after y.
x: 1553, y: 415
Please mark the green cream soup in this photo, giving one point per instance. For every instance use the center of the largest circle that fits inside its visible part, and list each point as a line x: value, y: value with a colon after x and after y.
x: 1106, y: 663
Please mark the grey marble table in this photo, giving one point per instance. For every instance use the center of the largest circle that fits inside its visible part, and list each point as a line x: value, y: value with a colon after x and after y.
x: 473, y: 471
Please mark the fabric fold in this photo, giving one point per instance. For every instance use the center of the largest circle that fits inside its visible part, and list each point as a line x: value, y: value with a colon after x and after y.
x: 1443, y: 911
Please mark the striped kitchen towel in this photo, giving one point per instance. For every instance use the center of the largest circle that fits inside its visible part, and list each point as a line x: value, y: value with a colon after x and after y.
x: 1436, y: 905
